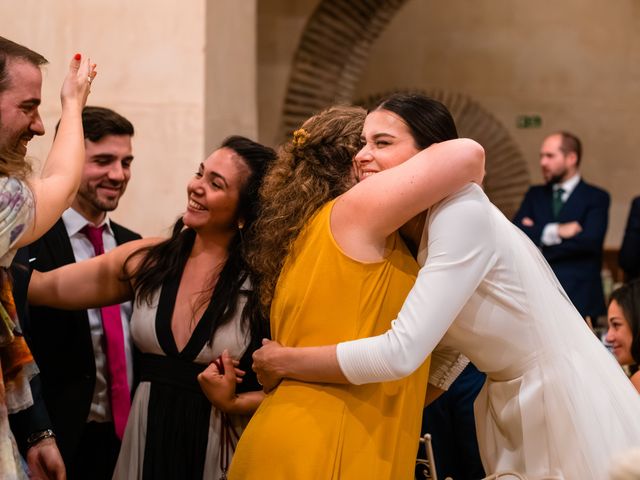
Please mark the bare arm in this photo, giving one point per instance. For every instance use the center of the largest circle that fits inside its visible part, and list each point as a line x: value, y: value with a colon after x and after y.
x: 56, y: 186
x: 92, y: 283
x: 368, y: 213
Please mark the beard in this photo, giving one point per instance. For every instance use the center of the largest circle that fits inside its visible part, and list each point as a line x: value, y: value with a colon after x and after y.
x: 555, y: 180
x: 557, y: 177
x: 96, y: 202
x: 13, y: 144
x: 13, y: 154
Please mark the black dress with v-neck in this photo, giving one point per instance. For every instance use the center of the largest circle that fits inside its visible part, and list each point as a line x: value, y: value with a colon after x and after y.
x: 178, y: 413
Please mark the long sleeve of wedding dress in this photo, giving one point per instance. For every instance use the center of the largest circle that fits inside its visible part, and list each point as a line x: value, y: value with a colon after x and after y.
x: 460, y: 253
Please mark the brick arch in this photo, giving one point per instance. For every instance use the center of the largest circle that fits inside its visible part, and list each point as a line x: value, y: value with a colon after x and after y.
x: 329, y: 62
x: 332, y: 54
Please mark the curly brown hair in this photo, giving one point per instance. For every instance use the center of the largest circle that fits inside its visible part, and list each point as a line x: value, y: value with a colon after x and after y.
x: 312, y: 168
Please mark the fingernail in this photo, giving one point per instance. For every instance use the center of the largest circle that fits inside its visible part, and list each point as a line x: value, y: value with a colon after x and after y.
x: 77, y: 56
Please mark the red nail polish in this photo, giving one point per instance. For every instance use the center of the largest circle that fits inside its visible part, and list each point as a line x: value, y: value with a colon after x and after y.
x: 77, y: 56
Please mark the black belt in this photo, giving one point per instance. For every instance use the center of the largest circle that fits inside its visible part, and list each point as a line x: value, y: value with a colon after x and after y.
x: 170, y: 371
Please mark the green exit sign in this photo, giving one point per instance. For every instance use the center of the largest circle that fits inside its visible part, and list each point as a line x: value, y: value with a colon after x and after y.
x: 528, y: 121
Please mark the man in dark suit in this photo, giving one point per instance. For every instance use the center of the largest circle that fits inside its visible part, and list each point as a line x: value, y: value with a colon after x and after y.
x: 72, y: 348
x: 629, y: 258
x: 567, y: 218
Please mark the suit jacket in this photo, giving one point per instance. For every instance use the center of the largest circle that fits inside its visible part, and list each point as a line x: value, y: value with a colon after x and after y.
x: 577, y: 261
x: 629, y: 258
x: 60, y: 341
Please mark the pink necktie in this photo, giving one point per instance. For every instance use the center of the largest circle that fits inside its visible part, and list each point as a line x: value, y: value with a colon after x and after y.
x: 114, y: 341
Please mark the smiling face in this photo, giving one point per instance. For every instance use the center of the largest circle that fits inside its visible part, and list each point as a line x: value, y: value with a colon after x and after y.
x: 387, y: 143
x: 106, y: 172
x: 214, y: 193
x: 619, y: 334
x: 19, y: 117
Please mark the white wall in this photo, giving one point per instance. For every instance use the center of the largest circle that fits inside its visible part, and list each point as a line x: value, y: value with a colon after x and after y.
x: 152, y: 58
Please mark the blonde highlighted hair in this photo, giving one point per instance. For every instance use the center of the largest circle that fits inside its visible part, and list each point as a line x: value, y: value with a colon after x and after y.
x: 14, y: 165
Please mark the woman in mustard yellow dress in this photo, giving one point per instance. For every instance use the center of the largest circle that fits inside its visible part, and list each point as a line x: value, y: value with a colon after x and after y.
x: 324, y: 246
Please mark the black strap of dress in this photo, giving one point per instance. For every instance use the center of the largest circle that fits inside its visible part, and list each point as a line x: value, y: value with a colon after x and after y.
x: 178, y: 412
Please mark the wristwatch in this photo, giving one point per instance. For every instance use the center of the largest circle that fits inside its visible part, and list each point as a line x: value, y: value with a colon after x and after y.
x: 39, y: 436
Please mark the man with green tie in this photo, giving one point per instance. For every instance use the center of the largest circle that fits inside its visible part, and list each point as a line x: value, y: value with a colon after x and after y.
x: 567, y: 218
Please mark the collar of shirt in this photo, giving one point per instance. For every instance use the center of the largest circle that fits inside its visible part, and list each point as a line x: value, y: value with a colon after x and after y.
x: 568, y: 186
x: 74, y: 222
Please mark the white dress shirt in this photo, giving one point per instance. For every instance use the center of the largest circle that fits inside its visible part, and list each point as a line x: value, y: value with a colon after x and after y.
x: 550, y: 234
x: 83, y: 250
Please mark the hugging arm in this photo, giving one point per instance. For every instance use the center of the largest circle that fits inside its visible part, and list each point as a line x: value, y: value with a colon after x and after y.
x: 375, y: 208
x: 461, y: 252
x: 88, y: 284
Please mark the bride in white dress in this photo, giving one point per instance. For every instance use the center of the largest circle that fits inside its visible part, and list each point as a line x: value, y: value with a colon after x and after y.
x: 555, y: 405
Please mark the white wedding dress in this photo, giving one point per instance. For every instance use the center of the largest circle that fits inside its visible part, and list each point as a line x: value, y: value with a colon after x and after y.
x: 555, y: 404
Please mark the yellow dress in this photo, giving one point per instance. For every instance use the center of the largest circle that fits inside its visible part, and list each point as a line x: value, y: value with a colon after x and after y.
x: 329, y: 431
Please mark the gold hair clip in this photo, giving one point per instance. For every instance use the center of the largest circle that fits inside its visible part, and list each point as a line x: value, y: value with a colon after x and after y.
x: 300, y: 137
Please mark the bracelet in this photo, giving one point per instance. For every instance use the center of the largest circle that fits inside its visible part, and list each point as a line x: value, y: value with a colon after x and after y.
x: 39, y: 436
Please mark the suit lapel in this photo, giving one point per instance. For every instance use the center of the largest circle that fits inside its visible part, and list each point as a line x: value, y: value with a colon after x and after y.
x: 122, y: 235
x: 548, y: 203
x: 117, y: 233
x: 58, y: 244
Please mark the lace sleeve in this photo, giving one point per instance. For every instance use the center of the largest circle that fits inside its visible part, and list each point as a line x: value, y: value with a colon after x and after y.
x: 446, y: 365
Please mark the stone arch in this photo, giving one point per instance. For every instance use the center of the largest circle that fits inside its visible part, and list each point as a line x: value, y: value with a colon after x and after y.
x: 332, y: 54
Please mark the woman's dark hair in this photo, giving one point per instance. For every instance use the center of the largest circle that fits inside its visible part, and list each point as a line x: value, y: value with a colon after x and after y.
x: 167, y: 259
x: 628, y: 297
x: 428, y: 120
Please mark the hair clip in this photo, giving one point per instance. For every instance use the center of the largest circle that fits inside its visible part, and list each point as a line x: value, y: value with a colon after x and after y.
x: 300, y: 137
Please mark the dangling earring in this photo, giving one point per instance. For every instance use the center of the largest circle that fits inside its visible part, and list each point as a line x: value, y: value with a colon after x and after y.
x: 240, y: 227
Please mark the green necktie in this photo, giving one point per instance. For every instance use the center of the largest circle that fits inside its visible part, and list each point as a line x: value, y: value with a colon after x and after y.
x: 557, y: 202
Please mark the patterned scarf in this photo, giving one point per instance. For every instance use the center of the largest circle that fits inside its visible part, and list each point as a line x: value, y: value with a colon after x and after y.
x: 17, y: 367
x: 16, y: 363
